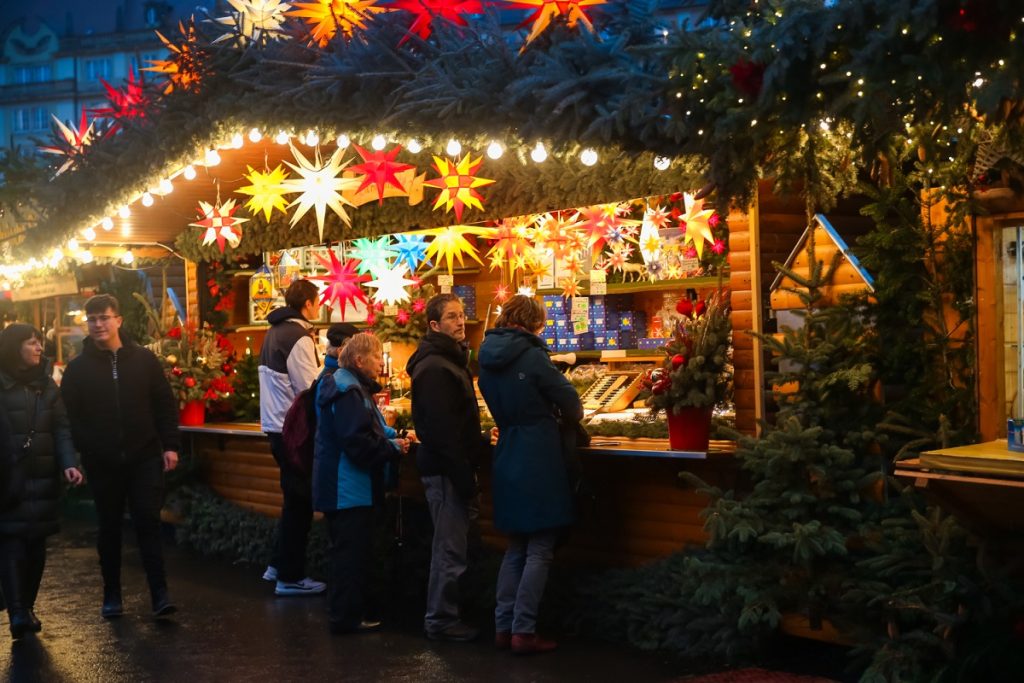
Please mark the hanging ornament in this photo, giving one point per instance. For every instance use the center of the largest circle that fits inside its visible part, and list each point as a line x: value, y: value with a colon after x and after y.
x: 502, y: 293
x: 319, y: 187
x: 546, y: 10
x: 557, y: 232
x: 450, y: 244
x: 697, y: 220
x: 185, y: 69
x: 70, y: 142
x: 570, y: 286
x: 125, y: 104
x: 326, y: 17
x: 410, y: 250
x: 458, y: 183
x: 419, y: 305
x: 597, y: 221
x: 650, y: 242
x: 391, y: 286
x: 266, y: 192
x: 379, y: 169
x: 253, y: 20
x: 619, y: 257
x: 512, y: 242
x: 342, y: 282
x: 718, y: 247
x: 427, y: 11
x: 221, y: 224
x: 658, y: 217
x: 374, y: 255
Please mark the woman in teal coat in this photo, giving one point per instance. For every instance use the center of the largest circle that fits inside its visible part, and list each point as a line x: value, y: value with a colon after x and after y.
x: 532, y: 499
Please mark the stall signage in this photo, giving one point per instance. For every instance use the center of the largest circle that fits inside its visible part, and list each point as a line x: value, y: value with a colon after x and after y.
x: 54, y: 286
x: 598, y: 283
x: 580, y: 308
x: 445, y: 282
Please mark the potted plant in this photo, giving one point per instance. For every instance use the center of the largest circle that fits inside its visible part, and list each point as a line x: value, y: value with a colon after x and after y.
x: 696, y: 371
x: 196, y: 364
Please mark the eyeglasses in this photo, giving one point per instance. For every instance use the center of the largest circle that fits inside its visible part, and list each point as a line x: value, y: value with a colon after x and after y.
x: 100, y: 319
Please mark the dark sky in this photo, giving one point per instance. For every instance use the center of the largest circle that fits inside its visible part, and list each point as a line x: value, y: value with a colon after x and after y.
x: 96, y: 16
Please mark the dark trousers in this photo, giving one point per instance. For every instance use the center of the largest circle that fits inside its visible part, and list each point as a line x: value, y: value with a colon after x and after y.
x: 349, y: 554
x: 141, y: 485
x: 296, y: 516
x: 21, y: 570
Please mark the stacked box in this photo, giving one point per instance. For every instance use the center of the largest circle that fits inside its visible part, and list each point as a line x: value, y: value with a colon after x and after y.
x: 627, y: 339
x: 468, y: 295
x: 606, y: 340
x: 651, y: 343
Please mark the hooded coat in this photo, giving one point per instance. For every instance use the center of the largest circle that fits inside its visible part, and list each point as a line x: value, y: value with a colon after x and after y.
x: 527, y: 395
x: 445, y: 412
x: 31, y: 401
x: 288, y: 365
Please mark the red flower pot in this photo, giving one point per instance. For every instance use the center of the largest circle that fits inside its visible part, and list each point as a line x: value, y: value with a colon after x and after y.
x: 689, y: 430
x: 193, y: 414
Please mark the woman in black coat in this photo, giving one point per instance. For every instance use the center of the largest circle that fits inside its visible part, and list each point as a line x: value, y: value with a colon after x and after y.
x: 40, y: 441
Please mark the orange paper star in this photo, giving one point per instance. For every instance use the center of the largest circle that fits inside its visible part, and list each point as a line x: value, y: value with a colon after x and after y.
x: 546, y: 10
x: 184, y: 69
x: 458, y: 184
x: 326, y: 17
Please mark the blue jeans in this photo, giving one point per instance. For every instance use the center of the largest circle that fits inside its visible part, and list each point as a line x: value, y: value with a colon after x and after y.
x: 521, y: 581
x: 447, y: 552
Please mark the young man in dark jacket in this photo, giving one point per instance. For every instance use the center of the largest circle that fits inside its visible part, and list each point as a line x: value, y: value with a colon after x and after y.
x: 447, y: 421
x: 124, y: 422
x: 288, y: 365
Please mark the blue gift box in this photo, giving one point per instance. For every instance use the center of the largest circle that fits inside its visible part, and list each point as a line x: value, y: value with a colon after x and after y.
x: 651, y: 343
x: 627, y: 339
x: 586, y: 341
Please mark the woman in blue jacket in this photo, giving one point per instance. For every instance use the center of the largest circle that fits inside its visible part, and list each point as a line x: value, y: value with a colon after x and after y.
x: 353, y: 446
x: 532, y: 499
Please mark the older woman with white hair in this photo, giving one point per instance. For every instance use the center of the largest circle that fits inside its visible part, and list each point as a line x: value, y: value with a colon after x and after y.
x: 353, y: 446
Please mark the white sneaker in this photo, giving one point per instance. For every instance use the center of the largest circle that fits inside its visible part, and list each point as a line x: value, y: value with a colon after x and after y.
x: 270, y: 574
x: 305, y: 587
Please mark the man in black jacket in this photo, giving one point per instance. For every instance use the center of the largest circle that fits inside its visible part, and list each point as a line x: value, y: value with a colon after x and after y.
x: 124, y: 422
x: 447, y: 421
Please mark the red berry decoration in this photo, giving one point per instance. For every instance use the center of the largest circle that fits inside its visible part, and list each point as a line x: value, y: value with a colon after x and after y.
x: 677, y: 360
x: 700, y: 308
x: 176, y: 371
x: 189, y: 382
x: 685, y: 307
x: 661, y: 387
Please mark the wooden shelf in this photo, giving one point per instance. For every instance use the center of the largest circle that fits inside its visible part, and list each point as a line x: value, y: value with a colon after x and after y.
x: 646, y: 286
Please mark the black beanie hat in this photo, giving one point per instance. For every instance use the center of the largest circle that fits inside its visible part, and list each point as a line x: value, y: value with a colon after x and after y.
x: 339, y: 332
x: 11, y: 340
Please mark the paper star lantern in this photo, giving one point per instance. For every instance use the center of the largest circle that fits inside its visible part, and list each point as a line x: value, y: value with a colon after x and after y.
x: 570, y: 286
x: 650, y: 242
x: 126, y: 104
x: 185, y: 68
x: 326, y: 17
x: 696, y: 220
x: 450, y: 244
x: 70, y: 142
x: 618, y: 259
x: 391, y: 286
x: 557, y: 232
x: 379, y: 169
x: 546, y: 10
x: 410, y: 250
x: 502, y: 293
x: 718, y: 247
x: 221, y: 224
x: 597, y: 222
x: 402, y: 317
x: 458, y: 184
x: 427, y: 11
x: 342, y: 282
x: 374, y: 255
x: 253, y: 20
x: 419, y: 306
x: 511, y: 235
x: 266, y: 192
x: 319, y: 186
x: 658, y: 217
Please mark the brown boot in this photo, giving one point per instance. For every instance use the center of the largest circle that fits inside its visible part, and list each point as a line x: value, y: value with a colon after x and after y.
x: 531, y: 644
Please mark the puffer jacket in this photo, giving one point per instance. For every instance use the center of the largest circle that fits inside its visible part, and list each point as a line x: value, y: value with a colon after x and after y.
x: 527, y: 396
x: 36, y: 404
x: 353, y: 443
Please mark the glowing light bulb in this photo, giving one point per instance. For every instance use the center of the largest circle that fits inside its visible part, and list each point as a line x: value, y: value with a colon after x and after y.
x: 211, y: 158
x: 57, y: 254
x: 343, y: 141
x: 255, y: 135
x: 85, y: 256
x: 538, y: 153
x: 189, y: 172
x: 281, y: 138
x: 378, y: 142
x: 414, y: 146
x: 127, y: 257
x: 73, y: 244
x: 165, y: 186
x: 107, y: 223
x: 124, y: 212
x: 662, y: 163
x: 237, y: 141
x: 147, y: 199
x: 454, y: 148
x: 89, y: 234
x: 495, y: 150
x: 312, y: 138
x: 588, y: 157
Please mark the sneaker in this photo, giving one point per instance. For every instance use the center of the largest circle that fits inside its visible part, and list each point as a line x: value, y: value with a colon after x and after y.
x: 456, y: 633
x: 270, y: 574
x: 305, y: 587
x: 531, y: 644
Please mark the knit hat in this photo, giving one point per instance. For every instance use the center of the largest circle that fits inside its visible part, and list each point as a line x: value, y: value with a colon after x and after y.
x: 11, y: 340
x: 338, y: 333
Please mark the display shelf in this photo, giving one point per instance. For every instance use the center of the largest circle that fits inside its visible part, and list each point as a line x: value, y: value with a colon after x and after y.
x: 646, y: 286
x: 612, y: 355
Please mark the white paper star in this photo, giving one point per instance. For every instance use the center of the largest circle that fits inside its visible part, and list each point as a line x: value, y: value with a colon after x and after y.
x: 390, y: 286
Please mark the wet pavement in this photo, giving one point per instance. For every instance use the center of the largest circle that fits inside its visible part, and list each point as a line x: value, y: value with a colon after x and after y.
x: 230, y: 627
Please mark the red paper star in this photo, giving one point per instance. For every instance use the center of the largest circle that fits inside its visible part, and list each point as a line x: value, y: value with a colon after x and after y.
x: 419, y: 306
x: 342, y: 282
x: 718, y: 247
x: 379, y: 168
x: 501, y: 293
x: 221, y: 224
x: 125, y: 104
x: 402, y: 317
x: 427, y: 11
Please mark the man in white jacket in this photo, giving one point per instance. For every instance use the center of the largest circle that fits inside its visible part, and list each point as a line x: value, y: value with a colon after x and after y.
x: 288, y: 365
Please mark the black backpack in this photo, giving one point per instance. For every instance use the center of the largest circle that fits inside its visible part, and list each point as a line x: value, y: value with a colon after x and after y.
x: 299, y: 430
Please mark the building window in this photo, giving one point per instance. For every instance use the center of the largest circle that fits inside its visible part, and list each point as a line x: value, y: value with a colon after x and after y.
x: 146, y: 59
x: 96, y: 69
x: 29, y: 119
x: 33, y: 73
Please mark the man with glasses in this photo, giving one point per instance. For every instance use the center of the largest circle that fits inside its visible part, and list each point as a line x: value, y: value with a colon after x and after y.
x: 447, y: 421
x: 124, y: 421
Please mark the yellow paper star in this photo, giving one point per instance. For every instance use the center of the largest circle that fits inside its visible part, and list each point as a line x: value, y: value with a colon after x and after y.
x: 326, y: 17
x: 696, y: 220
x: 320, y: 186
x: 450, y: 244
x: 650, y: 242
x: 266, y: 192
x: 458, y: 183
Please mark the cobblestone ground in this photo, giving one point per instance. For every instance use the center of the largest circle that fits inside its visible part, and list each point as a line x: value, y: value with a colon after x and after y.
x: 230, y: 627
